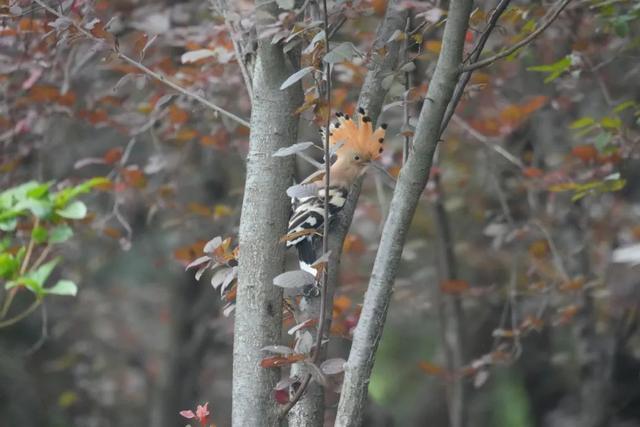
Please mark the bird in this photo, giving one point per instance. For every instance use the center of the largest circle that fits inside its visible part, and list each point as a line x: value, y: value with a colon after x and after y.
x: 355, y: 144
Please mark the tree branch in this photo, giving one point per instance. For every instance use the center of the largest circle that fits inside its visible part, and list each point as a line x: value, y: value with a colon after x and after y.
x: 520, y: 44
x: 161, y: 78
x: 411, y: 183
x: 312, y: 412
x: 371, y: 98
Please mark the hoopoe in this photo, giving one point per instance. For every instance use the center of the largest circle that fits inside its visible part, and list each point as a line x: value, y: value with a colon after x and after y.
x: 355, y: 145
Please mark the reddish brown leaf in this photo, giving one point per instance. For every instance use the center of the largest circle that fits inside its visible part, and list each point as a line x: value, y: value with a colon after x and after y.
x: 454, y: 286
x: 430, y: 368
x: 532, y: 172
x: 278, y: 361
x: 112, y: 155
x: 587, y: 153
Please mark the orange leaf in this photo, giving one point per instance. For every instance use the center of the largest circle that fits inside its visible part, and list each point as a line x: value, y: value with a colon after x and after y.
x: 532, y: 172
x: 186, y: 134
x: 379, y: 7
x: 341, y: 303
x: 539, y: 249
x: 112, y: 232
x: 585, y: 152
x: 353, y: 244
x: 454, y: 286
x: 430, y: 368
x: 177, y: 115
x: 278, y: 361
x: 134, y: 177
x: 186, y: 254
x: 112, y: 155
x: 94, y: 117
x: 433, y: 46
x: 199, y: 209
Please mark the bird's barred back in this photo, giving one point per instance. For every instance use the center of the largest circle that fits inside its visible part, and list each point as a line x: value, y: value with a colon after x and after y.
x: 309, y: 212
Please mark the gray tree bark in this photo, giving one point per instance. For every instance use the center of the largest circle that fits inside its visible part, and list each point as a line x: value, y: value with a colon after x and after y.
x: 309, y: 411
x: 265, y: 210
x: 411, y: 183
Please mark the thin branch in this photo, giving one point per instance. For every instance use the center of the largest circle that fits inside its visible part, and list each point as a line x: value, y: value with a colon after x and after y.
x: 520, y: 44
x: 22, y: 315
x: 476, y: 52
x: 23, y: 269
x: 407, y: 86
x: 450, y: 311
x: 44, y: 334
x: 222, y: 8
x: 161, y: 78
x: 322, y: 320
x: 487, y: 142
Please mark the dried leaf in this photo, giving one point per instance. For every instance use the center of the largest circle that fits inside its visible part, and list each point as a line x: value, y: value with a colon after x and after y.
x: 278, y: 349
x: 333, y: 366
x: 454, y: 286
x: 196, y: 55
x: 198, y: 262
x: 294, y: 279
x: 298, y: 75
x: 430, y: 368
x: 293, y: 149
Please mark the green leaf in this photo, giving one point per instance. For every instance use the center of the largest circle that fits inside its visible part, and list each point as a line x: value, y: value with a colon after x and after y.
x: 556, y: 69
x: 623, y: 106
x: 8, y: 224
x: 611, y: 123
x: 63, y: 287
x: 43, y: 272
x: 9, y: 265
x: 583, y: 122
x: 28, y: 283
x: 75, y: 210
x: 40, y: 208
x: 5, y: 243
x: 621, y: 28
x: 60, y: 234
x: 602, y: 140
x: 39, y: 234
x: 39, y: 191
x: 65, y: 196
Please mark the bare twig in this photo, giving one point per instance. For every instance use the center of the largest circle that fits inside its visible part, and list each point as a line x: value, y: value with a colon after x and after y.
x: 450, y: 312
x: 161, y: 78
x: 44, y: 334
x: 475, y: 54
x: 22, y: 315
x: 520, y: 44
x: 406, y: 146
x: 222, y: 8
x: 486, y: 141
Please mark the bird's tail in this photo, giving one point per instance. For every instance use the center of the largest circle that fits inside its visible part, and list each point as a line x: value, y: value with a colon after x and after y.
x: 306, y: 255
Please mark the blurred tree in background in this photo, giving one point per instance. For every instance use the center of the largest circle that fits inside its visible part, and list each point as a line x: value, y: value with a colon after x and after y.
x: 127, y: 147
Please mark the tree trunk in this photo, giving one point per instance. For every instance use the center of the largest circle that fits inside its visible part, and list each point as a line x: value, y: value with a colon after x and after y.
x: 265, y: 211
x: 411, y: 182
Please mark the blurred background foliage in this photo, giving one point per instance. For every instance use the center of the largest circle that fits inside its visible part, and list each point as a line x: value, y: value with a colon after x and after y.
x: 538, y: 177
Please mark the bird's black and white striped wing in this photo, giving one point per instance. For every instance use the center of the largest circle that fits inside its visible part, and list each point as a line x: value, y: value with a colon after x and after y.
x: 308, y: 216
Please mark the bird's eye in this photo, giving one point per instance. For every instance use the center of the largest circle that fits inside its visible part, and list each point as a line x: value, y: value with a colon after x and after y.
x: 356, y: 158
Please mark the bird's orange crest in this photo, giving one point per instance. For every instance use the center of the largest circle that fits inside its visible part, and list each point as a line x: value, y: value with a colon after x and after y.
x: 359, y: 137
